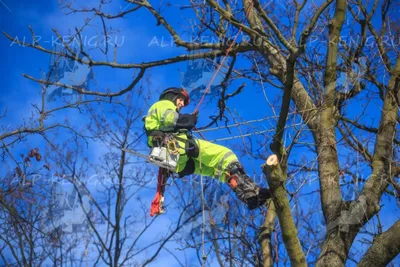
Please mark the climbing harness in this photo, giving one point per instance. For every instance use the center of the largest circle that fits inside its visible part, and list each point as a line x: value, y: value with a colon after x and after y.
x: 165, y: 154
x: 171, y: 146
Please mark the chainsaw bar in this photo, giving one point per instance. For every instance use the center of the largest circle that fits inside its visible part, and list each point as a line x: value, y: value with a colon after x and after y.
x: 147, y: 158
x: 136, y: 153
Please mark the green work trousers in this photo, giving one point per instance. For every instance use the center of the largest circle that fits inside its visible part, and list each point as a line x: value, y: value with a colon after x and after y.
x: 213, y: 160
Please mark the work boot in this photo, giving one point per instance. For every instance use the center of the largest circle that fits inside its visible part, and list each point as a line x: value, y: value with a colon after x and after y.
x: 260, y: 199
x: 244, y: 187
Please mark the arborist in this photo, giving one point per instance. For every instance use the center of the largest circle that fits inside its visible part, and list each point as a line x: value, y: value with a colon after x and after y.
x: 198, y: 156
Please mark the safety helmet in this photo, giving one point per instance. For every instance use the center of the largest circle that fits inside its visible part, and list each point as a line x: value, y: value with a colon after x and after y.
x: 178, y: 92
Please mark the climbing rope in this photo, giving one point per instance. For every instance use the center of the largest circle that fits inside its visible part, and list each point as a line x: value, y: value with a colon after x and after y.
x: 203, y: 214
x: 234, y: 125
x: 243, y: 135
x: 156, y: 204
x: 86, y: 256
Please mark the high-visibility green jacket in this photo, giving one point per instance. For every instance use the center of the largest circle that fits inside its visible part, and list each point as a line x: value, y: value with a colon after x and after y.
x: 210, y: 160
x: 163, y: 116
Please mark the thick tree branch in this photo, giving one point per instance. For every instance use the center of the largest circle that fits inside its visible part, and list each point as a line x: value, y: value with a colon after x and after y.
x: 241, y: 47
x: 382, y: 159
x: 384, y: 248
x: 377, y: 37
x: 98, y: 11
x: 332, y: 253
x: 266, y: 231
x: 229, y: 17
x: 307, y: 31
x: 328, y: 158
x: 273, y: 26
x: 360, y: 126
x: 361, y: 210
x: 277, y: 145
x: 276, y: 180
x: 177, y: 39
x: 142, y: 68
x: 26, y: 130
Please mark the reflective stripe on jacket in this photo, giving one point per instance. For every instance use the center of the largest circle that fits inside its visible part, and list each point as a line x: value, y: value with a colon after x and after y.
x: 161, y: 116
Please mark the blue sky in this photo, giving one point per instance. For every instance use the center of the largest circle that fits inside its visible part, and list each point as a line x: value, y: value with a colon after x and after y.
x: 139, y: 40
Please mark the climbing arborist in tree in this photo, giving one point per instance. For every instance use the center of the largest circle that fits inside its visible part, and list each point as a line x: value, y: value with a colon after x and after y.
x: 164, y: 119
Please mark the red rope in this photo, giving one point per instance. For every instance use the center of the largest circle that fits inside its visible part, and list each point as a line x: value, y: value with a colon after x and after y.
x: 202, y: 136
x: 223, y: 60
x: 155, y: 204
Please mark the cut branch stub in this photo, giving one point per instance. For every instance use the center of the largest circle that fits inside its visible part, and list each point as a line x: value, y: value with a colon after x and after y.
x: 272, y: 160
x: 273, y: 170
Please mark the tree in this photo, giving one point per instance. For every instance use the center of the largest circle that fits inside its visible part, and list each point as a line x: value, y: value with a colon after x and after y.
x: 335, y: 67
x: 116, y: 225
